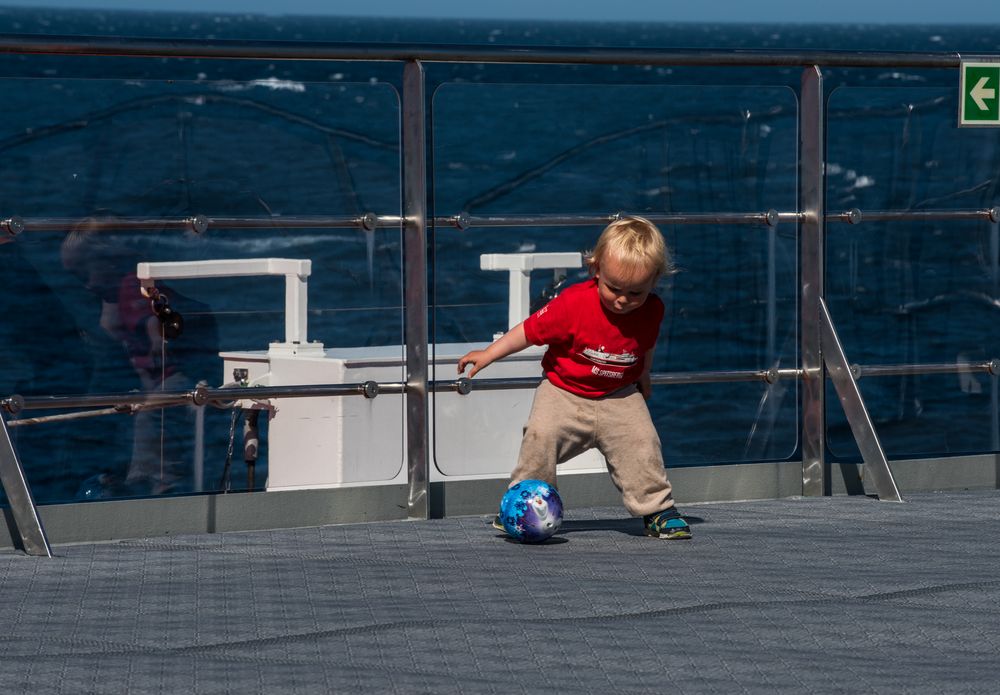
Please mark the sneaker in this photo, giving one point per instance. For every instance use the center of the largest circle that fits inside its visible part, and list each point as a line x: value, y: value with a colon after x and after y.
x: 668, y: 524
x: 497, y: 524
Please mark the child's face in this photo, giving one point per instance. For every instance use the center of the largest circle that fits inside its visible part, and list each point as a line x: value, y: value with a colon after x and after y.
x: 623, y: 289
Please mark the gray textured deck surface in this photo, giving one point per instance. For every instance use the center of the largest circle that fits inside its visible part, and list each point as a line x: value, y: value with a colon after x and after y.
x: 813, y: 595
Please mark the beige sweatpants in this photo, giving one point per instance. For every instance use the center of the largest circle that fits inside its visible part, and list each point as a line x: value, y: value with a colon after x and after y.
x: 562, y: 425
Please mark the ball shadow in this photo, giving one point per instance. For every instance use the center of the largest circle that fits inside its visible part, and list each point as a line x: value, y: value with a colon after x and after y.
x: 553, y: 540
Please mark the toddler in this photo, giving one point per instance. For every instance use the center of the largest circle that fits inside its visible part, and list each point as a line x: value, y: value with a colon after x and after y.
x: 600, y: 336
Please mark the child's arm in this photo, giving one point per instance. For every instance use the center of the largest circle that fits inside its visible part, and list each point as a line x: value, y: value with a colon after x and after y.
x: 512, y: 341
x: 644, y: 384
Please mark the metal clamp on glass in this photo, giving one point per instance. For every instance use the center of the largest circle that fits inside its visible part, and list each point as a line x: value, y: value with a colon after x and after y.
x: 198, y: 224
x: 13, y: 404
x: 13, y: 226
x: 199, y: 396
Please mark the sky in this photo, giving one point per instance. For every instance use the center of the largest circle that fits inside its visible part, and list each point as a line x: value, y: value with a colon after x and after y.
x: 986, y: 12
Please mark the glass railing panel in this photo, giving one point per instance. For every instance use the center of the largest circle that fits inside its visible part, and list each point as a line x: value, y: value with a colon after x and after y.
x: 703, y: 424
x: 111, y: 173
x: 539, y: 151
x: 924, y: 416
x: 601, y: 148
x: 915, y: 291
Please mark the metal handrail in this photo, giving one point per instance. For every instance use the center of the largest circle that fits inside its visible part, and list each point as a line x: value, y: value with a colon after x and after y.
x: 989, y: 367
x: 857, y: 216
x: 197, y: 223
x: 370, y: 389
x: 464, y: 221
x: 323, y: 51
x: 202, y: 395
x: 370, y: 221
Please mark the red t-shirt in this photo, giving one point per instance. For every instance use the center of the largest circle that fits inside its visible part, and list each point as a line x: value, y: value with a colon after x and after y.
x: 592, y: 351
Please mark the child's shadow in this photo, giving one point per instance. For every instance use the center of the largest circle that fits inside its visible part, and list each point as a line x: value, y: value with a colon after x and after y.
x: 630, y: 527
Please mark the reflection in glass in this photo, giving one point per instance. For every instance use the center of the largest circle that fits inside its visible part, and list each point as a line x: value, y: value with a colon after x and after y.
x: 914, y: 292
x: 95, y: 154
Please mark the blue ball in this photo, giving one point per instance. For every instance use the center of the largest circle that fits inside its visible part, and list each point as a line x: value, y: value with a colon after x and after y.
x: 531, y: 511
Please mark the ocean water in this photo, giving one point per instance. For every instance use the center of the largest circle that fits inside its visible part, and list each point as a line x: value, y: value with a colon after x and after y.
x: 174, y: 138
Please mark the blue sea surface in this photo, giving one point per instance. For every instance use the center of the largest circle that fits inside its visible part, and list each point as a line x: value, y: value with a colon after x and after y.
x: 170, y: 138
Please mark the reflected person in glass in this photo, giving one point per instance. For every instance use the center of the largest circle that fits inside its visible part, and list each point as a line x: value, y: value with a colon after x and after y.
x: 140, y: 327
x: 600, y: 334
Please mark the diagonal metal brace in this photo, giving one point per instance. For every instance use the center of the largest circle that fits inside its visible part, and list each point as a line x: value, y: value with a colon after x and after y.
x: 22, y: 505
x: 876, y: 464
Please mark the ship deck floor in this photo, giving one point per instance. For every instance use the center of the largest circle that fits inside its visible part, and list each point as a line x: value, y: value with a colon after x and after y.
x: 836, y: 594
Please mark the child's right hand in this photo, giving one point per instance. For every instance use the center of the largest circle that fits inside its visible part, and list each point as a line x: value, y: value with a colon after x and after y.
x: 512, y: 341
x: 477, y: 358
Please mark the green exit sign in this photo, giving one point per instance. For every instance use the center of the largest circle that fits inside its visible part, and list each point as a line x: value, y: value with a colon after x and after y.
x: 979, y: 98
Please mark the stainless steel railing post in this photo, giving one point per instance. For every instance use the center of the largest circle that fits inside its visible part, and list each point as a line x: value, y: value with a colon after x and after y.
x: 22, y: 505
x: 414, y: 136
x: 876, y: 465
x: 812, y: 183
x: 994, y: 385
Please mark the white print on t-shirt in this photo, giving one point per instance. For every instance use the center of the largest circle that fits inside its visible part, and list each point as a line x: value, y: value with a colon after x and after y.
x: 601, y: 356
x: 606, y: 373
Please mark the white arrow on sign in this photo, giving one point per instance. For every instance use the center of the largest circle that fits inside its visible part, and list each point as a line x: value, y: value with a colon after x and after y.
x: 979, y: 93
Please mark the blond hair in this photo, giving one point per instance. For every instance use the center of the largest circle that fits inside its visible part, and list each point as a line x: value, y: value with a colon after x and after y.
x: 636, y: 243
